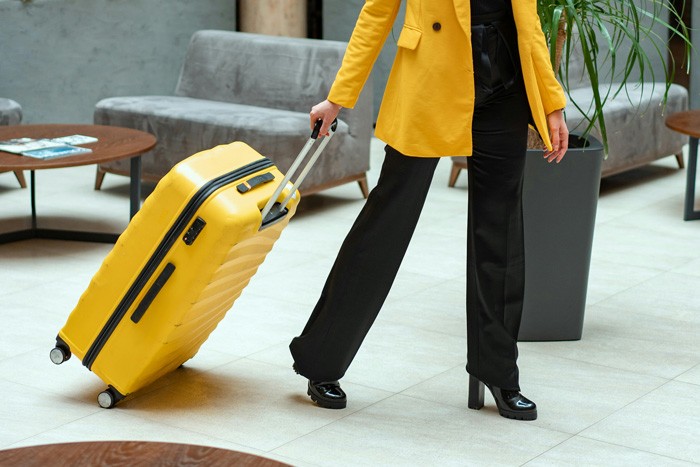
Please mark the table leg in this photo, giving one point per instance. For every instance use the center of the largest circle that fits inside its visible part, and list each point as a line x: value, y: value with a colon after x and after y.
x: 135, y: 186
x: 689, y: 212
x: 32, y: 191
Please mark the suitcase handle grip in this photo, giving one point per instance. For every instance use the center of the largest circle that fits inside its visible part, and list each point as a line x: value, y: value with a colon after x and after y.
x: 317, y: 128
x: 271, y: 211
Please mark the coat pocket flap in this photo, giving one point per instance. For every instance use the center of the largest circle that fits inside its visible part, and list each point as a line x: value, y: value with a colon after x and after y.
x: 409, y: 38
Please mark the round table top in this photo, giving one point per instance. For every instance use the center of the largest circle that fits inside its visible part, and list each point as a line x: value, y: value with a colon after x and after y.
x: 129, y: 453
x: 687, y: 122
x: 113, y: 143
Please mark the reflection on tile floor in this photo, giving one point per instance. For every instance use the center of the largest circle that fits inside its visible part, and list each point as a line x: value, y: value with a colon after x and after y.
x: 626, y: 394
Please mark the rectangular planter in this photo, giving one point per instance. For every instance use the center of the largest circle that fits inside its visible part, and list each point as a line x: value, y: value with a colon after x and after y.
x: 559, y: 209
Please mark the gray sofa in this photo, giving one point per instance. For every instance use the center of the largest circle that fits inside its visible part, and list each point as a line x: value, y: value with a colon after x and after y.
x: 252, y: 88
x: 11, y: 114
x: 634, y: 121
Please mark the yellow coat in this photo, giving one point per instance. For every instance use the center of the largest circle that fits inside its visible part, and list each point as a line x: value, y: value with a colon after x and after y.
x: 429, y: 99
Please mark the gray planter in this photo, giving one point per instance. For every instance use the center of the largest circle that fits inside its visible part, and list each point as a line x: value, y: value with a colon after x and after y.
x: 559, y: 205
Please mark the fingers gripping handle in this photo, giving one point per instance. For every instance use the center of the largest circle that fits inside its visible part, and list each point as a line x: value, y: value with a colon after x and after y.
x: 271, y: 210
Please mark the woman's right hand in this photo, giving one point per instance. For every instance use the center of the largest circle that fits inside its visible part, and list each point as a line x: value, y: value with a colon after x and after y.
x: 326, y: 111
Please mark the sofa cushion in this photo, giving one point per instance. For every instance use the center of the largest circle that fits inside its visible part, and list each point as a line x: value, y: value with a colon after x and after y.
x: 259, y: 70
x: 185, y: 126
x: 634, y: 120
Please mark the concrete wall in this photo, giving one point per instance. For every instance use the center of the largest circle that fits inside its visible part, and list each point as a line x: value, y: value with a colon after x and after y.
x: 59, y: 57
x: 339, y: 18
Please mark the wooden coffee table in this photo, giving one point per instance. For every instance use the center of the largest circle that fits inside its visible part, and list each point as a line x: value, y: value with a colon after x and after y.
x: 688, y: 123
x: 113, y: 143
x: 129, y: 453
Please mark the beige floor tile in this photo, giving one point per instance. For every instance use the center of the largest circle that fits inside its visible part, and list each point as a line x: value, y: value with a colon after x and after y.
x: 26, y: 412
x: 440, y: 308
x: 249, y: 403
x: 626, y: 244
x: 256, y: 323
x: 407, y: 431
x: 21, y: 334
x: 436, y: 255
x: 691, y: 268
x: 393, y: 356
x: 607, y: 278
x: 691, y: 376
x: 663, y: 422
x: 668, y: 296
x: 579, y: 451
x: 569, y: 394
x: 664, y: 217
x: 630, y: 341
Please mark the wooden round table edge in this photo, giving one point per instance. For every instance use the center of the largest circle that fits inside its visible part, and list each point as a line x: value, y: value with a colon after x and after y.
x: 130, y: 453
x: 113, y: 143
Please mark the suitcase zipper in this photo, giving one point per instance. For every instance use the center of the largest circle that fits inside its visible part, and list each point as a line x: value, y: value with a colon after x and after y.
x: 173, y: 234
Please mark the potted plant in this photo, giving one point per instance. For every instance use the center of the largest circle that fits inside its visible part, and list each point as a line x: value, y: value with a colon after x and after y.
x: 560, y: 200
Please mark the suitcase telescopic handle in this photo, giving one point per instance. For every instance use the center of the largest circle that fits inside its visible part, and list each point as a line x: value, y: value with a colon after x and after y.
x: 272, y: 210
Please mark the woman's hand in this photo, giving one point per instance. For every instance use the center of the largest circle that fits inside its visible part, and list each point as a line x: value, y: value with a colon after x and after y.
x: 326, y: 111
x: 559, y: 134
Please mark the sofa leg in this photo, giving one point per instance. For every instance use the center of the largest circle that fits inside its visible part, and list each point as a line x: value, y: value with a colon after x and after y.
x: 456, y: 169
x: 99, y: 177
x: 364, y: 186
x: 679, y: 158
x: 20, y: 178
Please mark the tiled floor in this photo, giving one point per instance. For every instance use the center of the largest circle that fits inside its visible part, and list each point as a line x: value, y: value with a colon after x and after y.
x: 626, y: 394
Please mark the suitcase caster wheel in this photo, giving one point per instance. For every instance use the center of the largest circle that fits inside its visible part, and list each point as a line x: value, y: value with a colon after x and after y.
x: 109, y: 398
x: 59, y: 355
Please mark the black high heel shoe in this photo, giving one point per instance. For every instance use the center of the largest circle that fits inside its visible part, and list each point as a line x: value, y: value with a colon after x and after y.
x: 510, y: 404
x: 326, y: 394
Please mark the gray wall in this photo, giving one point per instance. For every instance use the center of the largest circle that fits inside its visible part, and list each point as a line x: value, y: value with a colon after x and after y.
x: 339, y: 18
x: 59, y: 57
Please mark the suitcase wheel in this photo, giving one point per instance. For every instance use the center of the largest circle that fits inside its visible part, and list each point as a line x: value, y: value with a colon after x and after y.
x: 59, y: 354
x: 109, y: 398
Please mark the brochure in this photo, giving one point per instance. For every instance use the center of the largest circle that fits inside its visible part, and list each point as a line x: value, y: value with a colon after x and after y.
x: 76, y: 140
x: 22, y: 145
x: 56, y: 151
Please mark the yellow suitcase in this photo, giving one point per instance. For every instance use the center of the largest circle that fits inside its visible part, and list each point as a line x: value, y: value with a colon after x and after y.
x: 179, y: 266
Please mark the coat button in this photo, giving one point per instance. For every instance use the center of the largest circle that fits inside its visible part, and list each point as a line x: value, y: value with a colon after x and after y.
x: 437, y: 26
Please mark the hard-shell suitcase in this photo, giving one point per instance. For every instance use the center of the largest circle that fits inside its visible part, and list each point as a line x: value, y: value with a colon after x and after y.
x: 180, y: 264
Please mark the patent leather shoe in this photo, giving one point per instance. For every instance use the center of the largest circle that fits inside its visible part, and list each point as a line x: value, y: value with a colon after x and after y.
x: 327, y: 394
x: 510, y: 403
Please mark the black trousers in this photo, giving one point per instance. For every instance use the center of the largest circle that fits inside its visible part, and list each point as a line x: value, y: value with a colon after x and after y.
x: 371, y: 254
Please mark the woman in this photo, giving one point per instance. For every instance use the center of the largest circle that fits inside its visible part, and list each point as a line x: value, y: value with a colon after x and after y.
x: 467, y: 79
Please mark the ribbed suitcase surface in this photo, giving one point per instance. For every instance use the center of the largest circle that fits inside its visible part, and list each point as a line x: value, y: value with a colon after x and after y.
x: 178, y: 267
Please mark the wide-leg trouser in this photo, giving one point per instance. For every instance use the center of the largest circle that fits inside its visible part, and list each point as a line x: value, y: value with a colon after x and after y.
x: 495, y: 245
x: 365, y: 268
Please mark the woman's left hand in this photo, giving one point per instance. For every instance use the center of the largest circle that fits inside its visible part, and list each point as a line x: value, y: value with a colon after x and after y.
x: 559, y: 135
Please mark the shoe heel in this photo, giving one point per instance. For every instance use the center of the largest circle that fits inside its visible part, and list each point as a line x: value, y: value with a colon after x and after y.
x: 476, y: 393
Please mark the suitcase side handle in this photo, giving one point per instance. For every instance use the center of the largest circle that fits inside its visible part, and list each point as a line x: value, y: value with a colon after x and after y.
x: 272, y: 212
x: 153, y: 292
